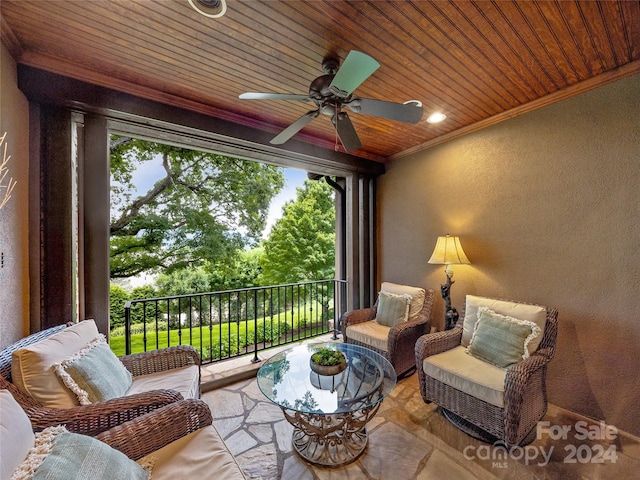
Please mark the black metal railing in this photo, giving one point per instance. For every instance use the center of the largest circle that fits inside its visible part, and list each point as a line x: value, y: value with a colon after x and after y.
x: 232, y: 323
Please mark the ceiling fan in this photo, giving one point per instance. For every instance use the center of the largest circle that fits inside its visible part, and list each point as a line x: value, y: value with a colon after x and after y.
x: 333, y: 91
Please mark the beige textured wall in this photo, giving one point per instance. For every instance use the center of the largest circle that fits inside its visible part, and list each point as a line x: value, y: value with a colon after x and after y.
x: 547, y: 207
x: 14, y: 276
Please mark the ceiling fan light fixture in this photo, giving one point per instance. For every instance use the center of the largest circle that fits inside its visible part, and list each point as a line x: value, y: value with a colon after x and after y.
x: 209, y: 8
x: 436, y: 117
x: 417, y: 103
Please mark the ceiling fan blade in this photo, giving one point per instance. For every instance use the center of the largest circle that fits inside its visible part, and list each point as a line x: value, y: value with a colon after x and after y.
x: 346, y: 132
x: 295, y: 127
x: 402, y: 112
x: 272, y: 96
x: 356, y: 68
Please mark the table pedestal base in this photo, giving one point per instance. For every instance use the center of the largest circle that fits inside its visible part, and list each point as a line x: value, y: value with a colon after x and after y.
x: 330, y: 440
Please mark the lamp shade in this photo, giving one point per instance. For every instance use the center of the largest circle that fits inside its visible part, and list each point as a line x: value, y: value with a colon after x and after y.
x: 448, y: 251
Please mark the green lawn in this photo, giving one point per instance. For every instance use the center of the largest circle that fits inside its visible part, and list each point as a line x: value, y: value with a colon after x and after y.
x: 235, y: 335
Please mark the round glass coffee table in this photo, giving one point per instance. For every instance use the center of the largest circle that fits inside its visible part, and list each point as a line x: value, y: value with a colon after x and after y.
x: 328, y: 412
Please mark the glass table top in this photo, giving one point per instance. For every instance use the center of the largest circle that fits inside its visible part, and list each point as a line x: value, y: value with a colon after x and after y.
x: 288, y: 381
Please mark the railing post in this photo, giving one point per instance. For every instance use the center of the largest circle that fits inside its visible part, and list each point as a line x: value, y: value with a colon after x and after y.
x: 255, y: 327
x: 336, y: 307
x: 127, y: 327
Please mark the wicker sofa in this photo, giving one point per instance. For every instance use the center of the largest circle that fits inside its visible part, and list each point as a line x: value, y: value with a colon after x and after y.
x: 495, y: 403
x: 155, y: 375
x: 175, y: 441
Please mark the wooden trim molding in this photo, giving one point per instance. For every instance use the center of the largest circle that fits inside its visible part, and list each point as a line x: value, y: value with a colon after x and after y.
x: 53, y: 89
x: 627, y: 70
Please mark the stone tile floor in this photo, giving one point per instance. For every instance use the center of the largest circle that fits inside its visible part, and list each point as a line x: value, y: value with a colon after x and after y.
x: 410, y: 440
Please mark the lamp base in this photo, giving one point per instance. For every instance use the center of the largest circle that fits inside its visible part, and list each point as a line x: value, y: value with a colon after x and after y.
x: 450, y: 318
x: 451, y: 314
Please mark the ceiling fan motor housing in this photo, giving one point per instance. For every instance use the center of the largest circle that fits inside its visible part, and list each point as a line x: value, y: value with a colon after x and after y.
x: 330, y: 65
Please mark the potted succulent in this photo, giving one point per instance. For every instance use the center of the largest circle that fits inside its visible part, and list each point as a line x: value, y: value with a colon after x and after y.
x: 327, y: 361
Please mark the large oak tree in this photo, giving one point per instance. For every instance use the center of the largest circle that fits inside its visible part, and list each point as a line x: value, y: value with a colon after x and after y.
x: 203, y: 206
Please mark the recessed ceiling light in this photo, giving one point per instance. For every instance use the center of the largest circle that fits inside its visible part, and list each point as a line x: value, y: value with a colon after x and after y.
x: 417, y: 103
x: 436, y: 117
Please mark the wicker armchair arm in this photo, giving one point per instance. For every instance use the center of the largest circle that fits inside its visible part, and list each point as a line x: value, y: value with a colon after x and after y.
x: 406, y: 332
x: 358, y: 316
x: 98, y: 417
x: 518, y: 376
x: 438, y: 342
x: 148, y: 433
x: 160, y: 360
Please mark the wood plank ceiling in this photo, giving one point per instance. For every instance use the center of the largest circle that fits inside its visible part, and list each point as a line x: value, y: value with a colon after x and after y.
x: 476, y: 61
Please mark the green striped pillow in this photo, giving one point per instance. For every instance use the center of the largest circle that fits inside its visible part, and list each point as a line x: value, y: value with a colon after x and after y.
x: 501, y: 340
x: 61, y: 455
x: 94, y: 374
x: 392, y: 309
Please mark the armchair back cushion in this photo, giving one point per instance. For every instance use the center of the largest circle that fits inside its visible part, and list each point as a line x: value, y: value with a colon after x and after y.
x: 521, y: 311
x: 16, y: 435
x: 417, y: 296
x: 32, y: 367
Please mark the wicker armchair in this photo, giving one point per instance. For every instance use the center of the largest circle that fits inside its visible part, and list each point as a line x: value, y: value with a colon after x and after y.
x: 524, y: 396
x: 400, y: 339
x: 144, y: 435
x: 98, y: 417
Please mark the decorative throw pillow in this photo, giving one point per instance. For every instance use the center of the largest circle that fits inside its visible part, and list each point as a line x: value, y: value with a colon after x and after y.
x: 501, y: 340
x: 61, y: 455
x: 533, y: 313
x: 392, y: 309
x: 94, y: 374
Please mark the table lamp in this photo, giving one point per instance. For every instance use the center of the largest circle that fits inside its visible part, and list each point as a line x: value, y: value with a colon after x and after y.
x: 448, y: 252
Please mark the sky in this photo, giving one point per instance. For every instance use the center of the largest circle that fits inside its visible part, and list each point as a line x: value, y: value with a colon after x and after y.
x: 293, y: 179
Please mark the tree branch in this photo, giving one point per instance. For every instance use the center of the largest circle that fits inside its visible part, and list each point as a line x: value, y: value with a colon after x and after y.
x: 159, y: 187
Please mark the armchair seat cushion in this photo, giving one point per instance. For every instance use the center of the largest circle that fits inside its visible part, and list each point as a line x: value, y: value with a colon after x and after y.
x: 468, y: 374
x: 370, y: 333
x: 185, y: 380
x: 193, y: 454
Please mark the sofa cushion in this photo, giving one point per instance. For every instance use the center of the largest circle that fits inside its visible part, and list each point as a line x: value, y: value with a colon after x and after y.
x: 523, y: 311
x: 417, y: 296
x: 501, y: 340
x: 58, y: 454
x: 185, y: 380
x: 201, y: 454
x: 468, y: 374
x: 94, y: 373
x: 16, y: 434
x: 392, y: 309
x: 370, y: 333
x: 32, y: 367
